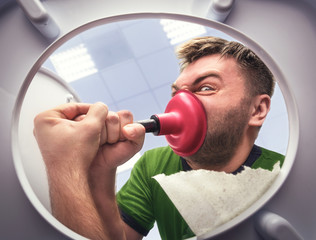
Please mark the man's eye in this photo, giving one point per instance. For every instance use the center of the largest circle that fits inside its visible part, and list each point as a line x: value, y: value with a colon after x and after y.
x: 206, y: 88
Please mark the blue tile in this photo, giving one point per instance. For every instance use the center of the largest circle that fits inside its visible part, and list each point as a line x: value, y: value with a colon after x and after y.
x: 127, y: 23
x: 278, y: 106
x: 274, y: 133
x: 124, y: 80
x: 91, y: 89
x: 99, y: 31
x: 108, y: 49
x: 160, y: 68
x: 142, y: 106
x: 217, y: 33
x: 113, y: 107
x: 145, y: 37
x: 163, y: 96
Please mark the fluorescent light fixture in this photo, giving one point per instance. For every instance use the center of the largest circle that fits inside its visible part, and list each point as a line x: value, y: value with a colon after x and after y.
x: 179, y: 31
x: 74, y: 63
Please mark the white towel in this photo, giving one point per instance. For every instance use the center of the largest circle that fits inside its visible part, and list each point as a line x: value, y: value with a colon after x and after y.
x: 208, y: 199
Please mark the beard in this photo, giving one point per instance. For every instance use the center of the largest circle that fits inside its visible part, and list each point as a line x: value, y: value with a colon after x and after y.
x: 224, y: 134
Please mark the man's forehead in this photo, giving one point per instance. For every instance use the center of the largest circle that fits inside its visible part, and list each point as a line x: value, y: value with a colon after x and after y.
x: 208, y: 65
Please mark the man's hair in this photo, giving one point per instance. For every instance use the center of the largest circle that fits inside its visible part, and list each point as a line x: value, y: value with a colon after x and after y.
x: 259, y: 79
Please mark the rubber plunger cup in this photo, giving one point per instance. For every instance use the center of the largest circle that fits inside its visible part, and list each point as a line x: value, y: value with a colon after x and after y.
x: 184, y: 123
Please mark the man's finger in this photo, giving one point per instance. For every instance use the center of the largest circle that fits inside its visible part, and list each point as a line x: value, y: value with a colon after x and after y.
x: 97, y: 113
x: 126, y: 117
x: 113, y: 127
x: 135, y: 133
x: 71, y: 110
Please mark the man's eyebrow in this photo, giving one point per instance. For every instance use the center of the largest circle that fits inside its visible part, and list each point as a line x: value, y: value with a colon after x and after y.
x: 174, y: 89
x: 174, y: 86
x: 197, y: 81
x: 200, y: 79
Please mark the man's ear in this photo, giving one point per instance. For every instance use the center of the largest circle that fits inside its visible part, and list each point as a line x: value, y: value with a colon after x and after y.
x: 259, y: 110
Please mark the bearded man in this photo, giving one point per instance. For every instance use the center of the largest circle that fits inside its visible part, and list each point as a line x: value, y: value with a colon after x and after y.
x: 235, y: 88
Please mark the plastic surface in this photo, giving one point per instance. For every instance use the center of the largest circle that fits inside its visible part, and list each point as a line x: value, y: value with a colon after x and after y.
x: 220, y: 9
x: 40, y: 18
x: 222, y: 5
x: 184, y: 123
x: 272, y: 226
x: 273, y: 37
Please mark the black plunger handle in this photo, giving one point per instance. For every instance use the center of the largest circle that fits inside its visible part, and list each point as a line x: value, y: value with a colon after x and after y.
x: 151, y: 125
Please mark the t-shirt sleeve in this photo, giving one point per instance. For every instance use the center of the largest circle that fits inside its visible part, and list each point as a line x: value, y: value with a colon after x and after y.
x: 268, y: 159
x: 135, y: 199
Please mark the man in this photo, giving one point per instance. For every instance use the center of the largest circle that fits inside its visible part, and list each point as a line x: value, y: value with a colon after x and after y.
x: 82, y: 145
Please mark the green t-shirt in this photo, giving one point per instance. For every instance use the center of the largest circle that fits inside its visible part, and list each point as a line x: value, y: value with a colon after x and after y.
x: 142, y: 201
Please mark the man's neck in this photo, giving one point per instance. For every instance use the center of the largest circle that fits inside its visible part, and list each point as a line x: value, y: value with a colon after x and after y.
x: 240, y: 156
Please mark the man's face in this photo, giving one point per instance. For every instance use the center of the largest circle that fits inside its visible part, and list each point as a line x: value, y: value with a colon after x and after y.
x: 220, y: 87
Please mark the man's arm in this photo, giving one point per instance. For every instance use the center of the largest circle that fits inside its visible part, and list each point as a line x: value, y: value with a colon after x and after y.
x: 72, y: 203
x: 82, y: 145
x: 104, y: 197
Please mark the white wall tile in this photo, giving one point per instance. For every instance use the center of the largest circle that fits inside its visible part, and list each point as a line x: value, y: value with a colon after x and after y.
x: 142, y: 106
x: 92, y: 89
x: 108, y: 49
x: 163, y: 95
x: 124, y: 80
x: 160, y: 68
x: 145, y: 37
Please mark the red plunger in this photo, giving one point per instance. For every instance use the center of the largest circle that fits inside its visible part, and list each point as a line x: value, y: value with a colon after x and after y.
x: 184, y: 123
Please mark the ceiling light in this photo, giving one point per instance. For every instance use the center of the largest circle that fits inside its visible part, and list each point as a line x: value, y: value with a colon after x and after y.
x: 74, y: 63
x: 179, y: 31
